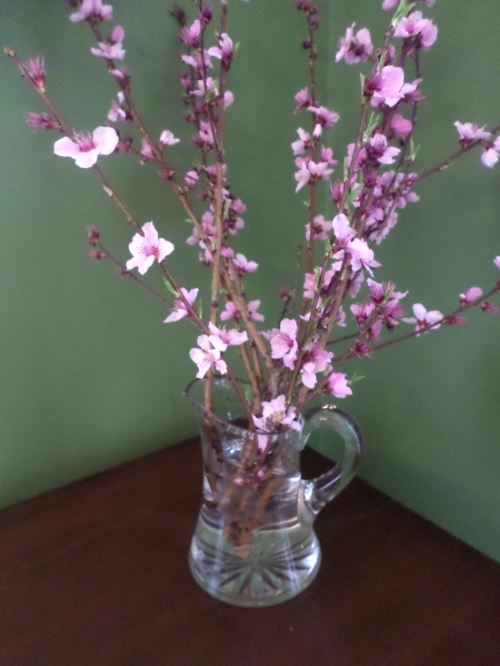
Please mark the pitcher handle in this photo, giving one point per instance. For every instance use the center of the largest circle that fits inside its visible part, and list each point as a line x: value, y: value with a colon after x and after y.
x: 320, y: 491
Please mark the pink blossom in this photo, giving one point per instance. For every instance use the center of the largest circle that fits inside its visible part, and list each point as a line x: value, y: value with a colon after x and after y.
x: 424, y: 319
x: 190, y: 34
x: 208, y: 227
x: 232, y: 312
x: 231, y: 337
x: 390, y: 4
x: 113, y: 47
x: 197, y: 62
x: 147, y: 247
x: 121, y: 74
x: 356, y: 285
x: 361, y: 255
x: 304, y: 143
x: 225, y: 52
x: 92, y: 9
x: 147, y: 149
x: 490, y: 154
x: 167, y: 138
x: 284, y: 344
x: 422, y: 32
x: 323, y: 116
x: 355, y: 49
x: 310, y: 286
x: 238, y: 206
x: 411, y: 93
x: 496, y: 261
x: 470, y: 295
x: 208, y: 355
x: 191, y: 178
x: 327, y: 156
x: 242, y: 265
x: 228, y: 252
x: 303, y: 100
x: 117, y: 112
x: 315, y: 360
x: 205, y: 136
x: 310, y: 171
x: 470, y: 132
x: 360, y: 157
x: 362, y: 312
x: 380, y: 151
x: 86, y: 149
x: 180, y: 310
x: 275, y: 414
x: 342, y: 230
x: 211, y: 87
x: 401, y: 126
x: 385, y: 86
x: 320, y: 226
x: 384, y: 294
x: 337, y: 385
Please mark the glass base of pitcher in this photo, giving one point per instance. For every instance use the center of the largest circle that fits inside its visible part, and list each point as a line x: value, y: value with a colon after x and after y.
x: 276, y: 564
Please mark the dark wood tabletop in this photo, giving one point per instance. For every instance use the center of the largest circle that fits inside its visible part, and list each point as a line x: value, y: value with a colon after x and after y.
x: 96, y: 574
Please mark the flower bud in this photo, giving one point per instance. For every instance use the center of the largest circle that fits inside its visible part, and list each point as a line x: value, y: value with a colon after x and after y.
x: 40, y: 120
x: 97, y: 255
x: 93, y: 237
x: 179, y: 15
x: 206, y: 15
x: 35, y: 72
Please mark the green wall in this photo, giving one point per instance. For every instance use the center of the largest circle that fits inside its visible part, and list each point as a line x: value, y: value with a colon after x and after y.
x: 89, y: 375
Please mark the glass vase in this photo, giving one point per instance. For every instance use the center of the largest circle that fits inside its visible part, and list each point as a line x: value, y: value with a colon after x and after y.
x: 254, y: 543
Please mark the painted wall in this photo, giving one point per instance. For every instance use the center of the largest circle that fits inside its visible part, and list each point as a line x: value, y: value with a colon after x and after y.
x: 89, y: 374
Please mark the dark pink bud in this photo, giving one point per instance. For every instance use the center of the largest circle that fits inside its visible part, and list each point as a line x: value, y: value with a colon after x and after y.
x: 179, y: 15
x: 454, y: 320
x: 123, y: 272
x: 360, y: 349
x: 97, y: 255
x: 93, y: 236
x: 124, y: 145
x: 390, y: 55
x: 285, y: 294
x: 486, y: 306
x: 186, y: 82
x: 303, y: 5
x: 206, y: 15
x: 40, y: 120
x: 315, y: 20
x: 166, y: 174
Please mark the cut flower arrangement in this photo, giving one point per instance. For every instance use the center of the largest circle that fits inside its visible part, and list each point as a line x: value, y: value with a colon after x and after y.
x: 303, y: 354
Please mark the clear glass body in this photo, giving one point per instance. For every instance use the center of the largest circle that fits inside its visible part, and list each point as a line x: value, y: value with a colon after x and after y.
x: 254, y: 543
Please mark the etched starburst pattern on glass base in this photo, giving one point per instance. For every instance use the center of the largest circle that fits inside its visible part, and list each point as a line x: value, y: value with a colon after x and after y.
x: 273, y: 568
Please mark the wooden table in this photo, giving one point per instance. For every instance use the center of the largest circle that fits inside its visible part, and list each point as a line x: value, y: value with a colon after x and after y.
x: 96, y: 574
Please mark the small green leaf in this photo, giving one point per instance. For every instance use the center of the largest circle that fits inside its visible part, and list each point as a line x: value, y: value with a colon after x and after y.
x: 355, y: 378
x: 403, y: 8
x: 170, y: 288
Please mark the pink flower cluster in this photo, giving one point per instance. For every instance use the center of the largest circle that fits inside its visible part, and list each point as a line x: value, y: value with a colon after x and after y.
x: 377, y: 180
